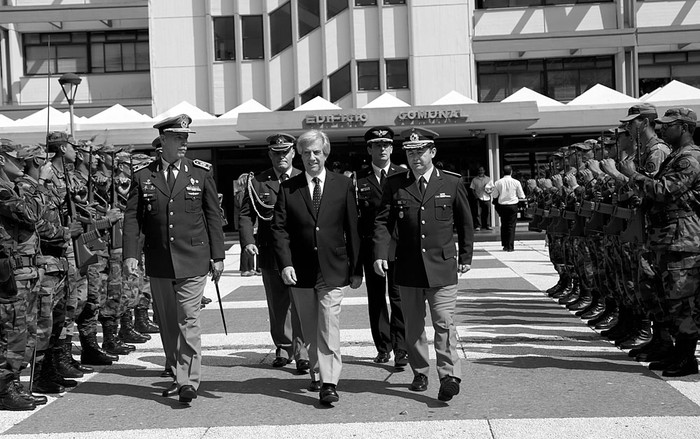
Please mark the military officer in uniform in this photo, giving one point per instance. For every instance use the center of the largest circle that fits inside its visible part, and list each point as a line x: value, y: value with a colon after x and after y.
x: 387, y: 332
x: 260, y: 195
x: 174, y: 202
x: 424, y: 205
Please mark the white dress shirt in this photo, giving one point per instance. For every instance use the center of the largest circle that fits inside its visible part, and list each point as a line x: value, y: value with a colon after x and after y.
x: 378, y: 171
x: 508, y: 191
x: 311, y: 184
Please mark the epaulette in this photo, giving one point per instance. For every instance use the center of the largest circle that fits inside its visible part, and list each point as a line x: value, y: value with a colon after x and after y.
x: 140, y: 166
x: 201, y: 164
x: 455, y: 174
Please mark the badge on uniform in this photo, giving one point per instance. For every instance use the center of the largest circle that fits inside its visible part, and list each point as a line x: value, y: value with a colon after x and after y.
x: 193, y: 189
x: 148, y: 185
x: 401, y: 214
x: 443, y: 195
x: 364, y: 188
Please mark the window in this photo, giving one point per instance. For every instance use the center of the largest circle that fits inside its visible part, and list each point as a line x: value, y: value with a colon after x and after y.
x: 365, y: 2
x: 490, y: 4
x: 86, y: 52
x: 309, y: 16
x: 252, y: 27
x: 658, y: 69
x: 559, y: 78
x: 335, y: 7
x: 340, y: 82
x: 289, y: 106
x: 396, y: 73
x: 394, y: 2
x: 368, y: 75
x: 281, y: 28
x: 316, y: 90
x: 224, y: 43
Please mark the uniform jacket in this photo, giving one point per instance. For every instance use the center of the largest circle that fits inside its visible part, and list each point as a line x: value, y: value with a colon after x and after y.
x: 266, y: 186
x: 328, y: 242
x: 183, y: 229
x: 426, y: 256
x: 369, y: 198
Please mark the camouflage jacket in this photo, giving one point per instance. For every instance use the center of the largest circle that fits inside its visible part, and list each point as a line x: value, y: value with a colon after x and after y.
x: 674, y: 194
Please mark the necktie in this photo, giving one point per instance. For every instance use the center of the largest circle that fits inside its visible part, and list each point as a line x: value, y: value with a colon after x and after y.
x: 317, y: 194
x: 171, y: 177
x: 421, y: 185
x: 382, y: 178
x: 283, y: 178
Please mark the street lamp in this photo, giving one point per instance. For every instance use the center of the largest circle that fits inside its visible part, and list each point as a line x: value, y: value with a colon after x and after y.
x: 69, y: 84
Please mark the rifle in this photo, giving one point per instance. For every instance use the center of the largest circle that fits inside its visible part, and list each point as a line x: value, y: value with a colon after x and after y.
x: 116, y: 232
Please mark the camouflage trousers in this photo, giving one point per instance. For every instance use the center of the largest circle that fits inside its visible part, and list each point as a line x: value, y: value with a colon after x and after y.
x: 16, y: 338
x: 115, y: 292
x: 680, y: 275
x: 650, y: 288
x: 77, y: 295
x: 629, y: 268
x: 96, y: 291
x: 613, y: 262
x: 583, y: 264
x: 52, y: 308
x: 556, y: 251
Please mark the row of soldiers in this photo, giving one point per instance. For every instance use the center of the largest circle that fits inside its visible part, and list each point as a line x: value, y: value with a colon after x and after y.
x: 60, y: 265
x: 622, y: 219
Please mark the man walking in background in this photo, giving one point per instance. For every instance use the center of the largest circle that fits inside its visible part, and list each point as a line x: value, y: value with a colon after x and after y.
x: 507, y: 192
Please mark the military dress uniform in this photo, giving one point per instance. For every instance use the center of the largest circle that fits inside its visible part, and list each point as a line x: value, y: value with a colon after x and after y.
x: 427, y: 259
x: 183, y: 234
x: 388, y: 329
x: 257, y: 207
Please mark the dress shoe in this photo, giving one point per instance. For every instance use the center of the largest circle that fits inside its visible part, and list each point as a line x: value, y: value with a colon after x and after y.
x: 400, y: 358
x: 167, y: 373
x: 382, y: 357
x: 449, y: 387
x: 248, y: 273
x: 328, y: 395
x: 420, y: 383
x: 686, y: 366
x: 280, y: 362
x: 315, y: 386
x: 170, y: 391
x: 303, y: 366
x: 187, y: 394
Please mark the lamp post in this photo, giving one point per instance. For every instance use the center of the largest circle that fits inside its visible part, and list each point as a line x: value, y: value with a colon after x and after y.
x: 69, y: 84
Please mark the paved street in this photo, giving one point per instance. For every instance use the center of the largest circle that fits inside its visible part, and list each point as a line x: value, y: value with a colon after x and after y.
x: 531, y: 370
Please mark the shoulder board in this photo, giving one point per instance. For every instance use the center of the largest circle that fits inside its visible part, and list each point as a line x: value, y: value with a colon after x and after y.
x: 201, y: 164
x: 454, y: 174
x: 137, y: 168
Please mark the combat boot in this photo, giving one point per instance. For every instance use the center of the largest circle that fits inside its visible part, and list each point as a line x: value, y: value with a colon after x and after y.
x: 686, y: 363
x: 10, y: 399
x: 560, y: 285
x: 127, y: 334
x: 28, y: 395
x: 568, y: 286
x: 639, y: 338
x: 572, y: 294
x: 111, y: 343
x: 52, y: 374
x: 607, y: 321
x: 43, y: 382
x: 67, y: 345
x: 142, y: 323
x: 661, y: 346
x: 93, y: 354
x: 62, y: 362
x: 594, y: 311
x: 585, y: 299
x: 621, y: 329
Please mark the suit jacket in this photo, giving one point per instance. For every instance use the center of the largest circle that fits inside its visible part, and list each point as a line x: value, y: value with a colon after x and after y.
x: 265, y: 186
x: 328, y: 242
x: 369, y: 198
x: 426, y: 256
x: 182, y: 230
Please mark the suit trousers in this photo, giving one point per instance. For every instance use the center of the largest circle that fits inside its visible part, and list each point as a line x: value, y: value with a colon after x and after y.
x: 483, y: 215
x: 441, y: 302
x: 387, y: 331
x: 319, y: 312
x: 285, y: 327
x: 509, y: 218
x: 178, y: 304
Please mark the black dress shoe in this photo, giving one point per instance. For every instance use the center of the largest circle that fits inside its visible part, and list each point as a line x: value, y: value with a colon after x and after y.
x: 328, y: 395
x: 449, y: 387
x: 420, y: 383
x: 170, y: 391
x: 382, y: 357
x: 167, y: 373
x: 303, y: 366
x: 280, y: 362
x: 400, y: 359
x: 315, y: 386
x: 187, y: 393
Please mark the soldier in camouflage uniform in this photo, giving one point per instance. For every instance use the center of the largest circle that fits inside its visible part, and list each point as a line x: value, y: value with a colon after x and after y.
x: 556, y: 227
x: 19, y: 245
x: 674, y: 234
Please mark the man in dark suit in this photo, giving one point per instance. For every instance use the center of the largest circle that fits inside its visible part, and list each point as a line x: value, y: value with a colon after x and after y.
x: 388, y: 334
x: 260, y: 195
x: 317, y: 247
x: 174, y: 202
x: 423, y: 206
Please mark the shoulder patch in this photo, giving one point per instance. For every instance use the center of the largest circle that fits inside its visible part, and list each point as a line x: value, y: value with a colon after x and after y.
x: 454, y: 174
x: 650, y: 167
x: 202, y: 164
x: 682, y: 164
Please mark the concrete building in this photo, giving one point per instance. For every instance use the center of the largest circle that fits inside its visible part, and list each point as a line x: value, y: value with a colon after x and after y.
x: 150, y: 55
